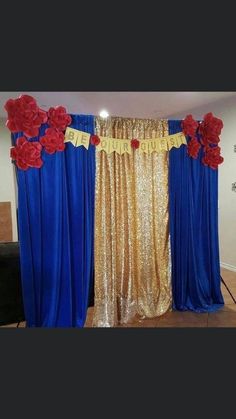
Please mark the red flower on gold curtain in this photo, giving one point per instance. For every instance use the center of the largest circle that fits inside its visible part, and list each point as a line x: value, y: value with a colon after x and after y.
x: 58, y: 118
x: 193, y: 148
x: 189, y: 126
x: 53, y: 141
x: 212, y: 157
x: 135, y: 143
x: 27, y: 154
x: 210, y: 129
x: 24, y: 115
x: 94, y: 140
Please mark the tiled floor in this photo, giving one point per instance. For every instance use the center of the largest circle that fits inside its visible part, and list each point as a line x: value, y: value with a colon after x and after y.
x: 225, y: 317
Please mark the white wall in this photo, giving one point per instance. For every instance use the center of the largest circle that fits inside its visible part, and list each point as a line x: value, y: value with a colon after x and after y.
x: 226, y: 110
x: 7, y: 175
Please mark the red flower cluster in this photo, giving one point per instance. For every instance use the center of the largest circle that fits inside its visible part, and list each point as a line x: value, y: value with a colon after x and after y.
x: 210, y: 129
x: 58, y: 118
x: 135, y: 143
x: 24, y: 115
x: 53, y: 140
x: 212, y: 157
x: 189, y: 126
x: 26, y: 154
x: 94, y: 140
x: 193, y: 148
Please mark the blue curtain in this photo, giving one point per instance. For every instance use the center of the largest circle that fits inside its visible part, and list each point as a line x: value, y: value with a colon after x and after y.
x: 56, y: 230
x: 193, y: 195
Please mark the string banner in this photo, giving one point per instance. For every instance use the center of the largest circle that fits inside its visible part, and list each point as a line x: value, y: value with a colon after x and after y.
x: 121, y: 146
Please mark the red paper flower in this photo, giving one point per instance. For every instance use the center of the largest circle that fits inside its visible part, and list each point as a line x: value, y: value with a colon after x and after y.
x: 53, y: 141
x: 210, y: 129
x: 26, y: 154
x: 189, y: 126
x: 58, y: 118
x: 135, y: 143
x: 212, y: 157
x: 193, y: 148
x: 94, y: 140
x: 24, y: 115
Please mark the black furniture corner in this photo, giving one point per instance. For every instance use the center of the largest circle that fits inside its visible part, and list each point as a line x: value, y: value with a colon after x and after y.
x: 11, y: 302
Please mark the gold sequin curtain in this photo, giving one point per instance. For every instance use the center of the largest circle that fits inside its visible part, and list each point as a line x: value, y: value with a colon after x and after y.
x: 132, y: 248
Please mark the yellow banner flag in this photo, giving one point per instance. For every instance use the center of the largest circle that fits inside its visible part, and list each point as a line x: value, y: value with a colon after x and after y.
x: 125, y: 146
x: 115, y: 145
x: 104, y: 145
x: 154, y: 145
x: 172, y: 142
x: 163, y: 144
x: 83, y: 139
x: 77, y: 138
x: 71, y: 136
x: 144, y: 146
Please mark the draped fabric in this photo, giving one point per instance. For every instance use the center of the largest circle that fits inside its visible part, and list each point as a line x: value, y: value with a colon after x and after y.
x: 193, y: 193
x: 132, y: 251
x: 56, y: 228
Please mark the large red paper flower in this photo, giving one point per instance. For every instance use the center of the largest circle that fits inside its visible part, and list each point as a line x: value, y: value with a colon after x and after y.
x: 94, y: 140
x: 58, y: 118
x: 24, y: 115
x: 210, y: 129
x: 53, y: 140
x: 189, y: 126
x: 135, y: 143
x: 193, y: 148
x: 212, y: 157
x: 26, y: 154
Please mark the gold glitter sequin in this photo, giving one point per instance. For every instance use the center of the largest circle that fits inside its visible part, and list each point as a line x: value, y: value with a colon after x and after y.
x: 132, y: 245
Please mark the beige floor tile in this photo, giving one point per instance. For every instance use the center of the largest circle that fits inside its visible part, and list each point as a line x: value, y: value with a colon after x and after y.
x: 227, y: 273
x: 229, y: 307
x: 183, y: 319
x: 173, y: 319
x: 232, y: 290
x: 232, y: 287
x: 230, y: 280
x: 228, y: 299
x: 229, y: 277
x: 222, y: 319
x: 226, y: 296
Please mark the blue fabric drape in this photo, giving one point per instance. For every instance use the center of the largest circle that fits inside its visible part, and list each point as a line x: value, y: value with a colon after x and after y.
x: 56, y: 230
x: 193, y: 195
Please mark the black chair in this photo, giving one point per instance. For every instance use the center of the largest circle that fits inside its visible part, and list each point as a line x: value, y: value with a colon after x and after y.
x: 11, y: 302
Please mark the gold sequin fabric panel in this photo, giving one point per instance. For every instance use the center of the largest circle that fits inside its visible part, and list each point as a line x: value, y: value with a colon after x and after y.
x: 132, y: 247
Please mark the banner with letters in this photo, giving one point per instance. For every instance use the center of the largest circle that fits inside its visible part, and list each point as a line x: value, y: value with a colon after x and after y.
x: 121, y: 146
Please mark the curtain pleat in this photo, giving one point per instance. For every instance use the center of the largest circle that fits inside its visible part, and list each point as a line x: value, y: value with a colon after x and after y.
x: 132, y: 251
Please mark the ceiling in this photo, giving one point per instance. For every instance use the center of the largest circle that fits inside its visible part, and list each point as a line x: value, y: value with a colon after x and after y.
x: 126, y: 104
